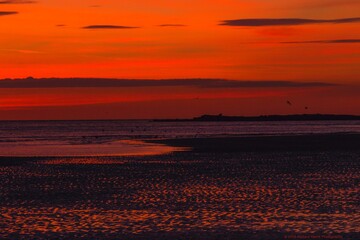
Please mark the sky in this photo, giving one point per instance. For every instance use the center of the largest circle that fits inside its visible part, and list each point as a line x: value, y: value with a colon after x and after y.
x: 94, y: 59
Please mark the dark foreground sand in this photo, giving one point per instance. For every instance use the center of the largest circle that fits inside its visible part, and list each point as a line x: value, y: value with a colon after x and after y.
x: 254, y: 143
x: 303, y: 187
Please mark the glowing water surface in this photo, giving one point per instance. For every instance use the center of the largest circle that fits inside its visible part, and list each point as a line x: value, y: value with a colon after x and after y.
x: 52, y: 148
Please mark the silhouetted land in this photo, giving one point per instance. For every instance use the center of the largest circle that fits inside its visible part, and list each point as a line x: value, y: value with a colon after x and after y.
x: 297, y: 117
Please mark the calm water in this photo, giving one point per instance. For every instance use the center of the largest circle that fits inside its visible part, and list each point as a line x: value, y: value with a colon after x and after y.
x: 106, y: 138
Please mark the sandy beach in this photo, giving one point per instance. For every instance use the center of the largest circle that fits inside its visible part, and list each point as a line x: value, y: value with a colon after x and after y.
x: 253, y: 187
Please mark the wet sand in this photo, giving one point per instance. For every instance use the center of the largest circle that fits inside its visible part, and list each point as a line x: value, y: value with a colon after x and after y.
x: 226, y: 188
x: 255, y: 143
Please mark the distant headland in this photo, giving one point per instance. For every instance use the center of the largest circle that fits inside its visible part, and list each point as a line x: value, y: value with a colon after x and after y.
x: 295, y: 117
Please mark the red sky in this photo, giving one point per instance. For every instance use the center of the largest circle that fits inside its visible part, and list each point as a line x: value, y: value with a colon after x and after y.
x: 259, y: 40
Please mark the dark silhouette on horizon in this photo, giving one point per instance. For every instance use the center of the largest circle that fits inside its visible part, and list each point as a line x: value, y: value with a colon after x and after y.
x: 294, y: 117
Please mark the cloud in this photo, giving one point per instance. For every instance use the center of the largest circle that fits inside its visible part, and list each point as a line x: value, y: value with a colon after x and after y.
x: 103, y: 82
x: 326, y: 41
x: 108, y: 27
x: 172, y: 25
x: 2, y: 13
x: 17, y: 2
x: 260, y: 22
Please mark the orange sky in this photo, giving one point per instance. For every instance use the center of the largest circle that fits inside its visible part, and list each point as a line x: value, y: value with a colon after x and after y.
x: 125, y: 39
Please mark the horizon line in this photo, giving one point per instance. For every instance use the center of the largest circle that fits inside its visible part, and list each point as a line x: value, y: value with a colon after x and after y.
x: 194, y: 117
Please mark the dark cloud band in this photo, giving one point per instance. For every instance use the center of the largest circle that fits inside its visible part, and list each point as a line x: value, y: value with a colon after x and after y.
x: 198, y: 83
x: 259, y: 22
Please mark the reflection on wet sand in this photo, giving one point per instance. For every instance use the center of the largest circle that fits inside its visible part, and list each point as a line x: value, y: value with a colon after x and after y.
x: 64, y: 221
x: 83, y: 160
x: 66, y: 149
x: 182, y: 192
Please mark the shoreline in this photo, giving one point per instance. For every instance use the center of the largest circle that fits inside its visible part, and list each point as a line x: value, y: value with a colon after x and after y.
x: 119, y: 148
x: 220, y: 144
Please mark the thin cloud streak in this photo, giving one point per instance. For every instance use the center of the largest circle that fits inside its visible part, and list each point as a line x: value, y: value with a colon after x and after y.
x: 325, y: 41
x: 108, y: 27
x: 263, y: 22
x: 17, y: 2
x: 198, y: 83
x: 4, y: 13
x: 172, y: 25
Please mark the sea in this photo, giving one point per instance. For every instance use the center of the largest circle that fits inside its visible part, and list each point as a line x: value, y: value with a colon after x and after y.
x: 119, y: 137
